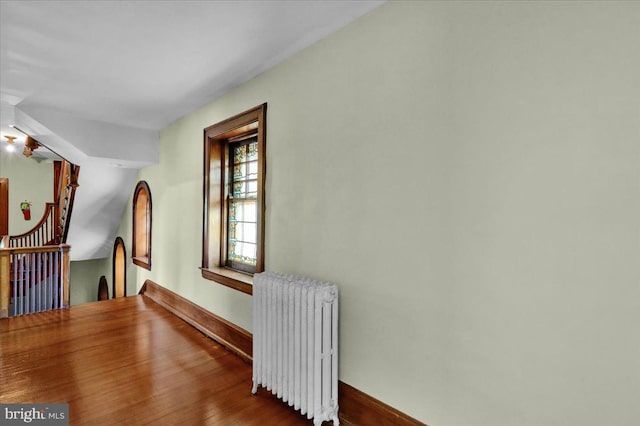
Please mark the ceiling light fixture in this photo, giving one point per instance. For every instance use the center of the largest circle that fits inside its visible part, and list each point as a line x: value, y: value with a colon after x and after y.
x: 10, y: 139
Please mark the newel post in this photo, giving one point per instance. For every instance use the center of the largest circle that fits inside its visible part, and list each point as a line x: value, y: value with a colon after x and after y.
x: 66, y: 266
x: 5, y: 277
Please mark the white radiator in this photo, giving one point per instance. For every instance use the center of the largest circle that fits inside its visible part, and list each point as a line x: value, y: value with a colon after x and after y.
x: 295, y: 343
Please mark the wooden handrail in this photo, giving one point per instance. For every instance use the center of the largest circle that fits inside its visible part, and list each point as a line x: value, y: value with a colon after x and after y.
x: 36, y: 249
x: 66, y: 197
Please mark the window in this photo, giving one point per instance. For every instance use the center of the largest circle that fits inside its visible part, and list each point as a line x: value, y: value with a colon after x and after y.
x: 142, y: 225
x: 119, y: 269
x: 242, y: 217
x: 233, y: 213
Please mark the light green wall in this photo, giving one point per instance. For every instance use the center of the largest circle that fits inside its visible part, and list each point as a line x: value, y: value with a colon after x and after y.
x: 84, y: 279
x: 468, y: 174
x: 29, y: 180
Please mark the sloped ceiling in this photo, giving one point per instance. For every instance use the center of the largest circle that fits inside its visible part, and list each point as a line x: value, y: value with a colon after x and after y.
x: 96, y: 81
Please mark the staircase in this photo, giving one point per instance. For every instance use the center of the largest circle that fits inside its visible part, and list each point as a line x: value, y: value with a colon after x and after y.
x: 34, y: 266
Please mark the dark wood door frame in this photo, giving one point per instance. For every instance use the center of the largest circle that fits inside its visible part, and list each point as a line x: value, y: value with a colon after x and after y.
x: 4, y: 206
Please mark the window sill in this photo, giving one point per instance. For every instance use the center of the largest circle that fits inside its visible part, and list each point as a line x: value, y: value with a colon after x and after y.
x: 230, y: 278
x: 143, y: 262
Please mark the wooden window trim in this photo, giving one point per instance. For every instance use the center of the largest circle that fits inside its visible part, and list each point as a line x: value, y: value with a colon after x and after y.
x: 143, y: 261
x: 119, y: 242
x: 214, y: 211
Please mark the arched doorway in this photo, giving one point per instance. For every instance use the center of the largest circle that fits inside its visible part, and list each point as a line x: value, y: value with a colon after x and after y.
x: 119, y: 269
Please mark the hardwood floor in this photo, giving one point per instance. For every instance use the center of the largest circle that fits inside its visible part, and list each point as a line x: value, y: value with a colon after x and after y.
x: 128, y: 361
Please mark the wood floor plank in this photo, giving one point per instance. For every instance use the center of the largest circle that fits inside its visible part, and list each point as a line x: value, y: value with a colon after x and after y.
x: 128, y: 361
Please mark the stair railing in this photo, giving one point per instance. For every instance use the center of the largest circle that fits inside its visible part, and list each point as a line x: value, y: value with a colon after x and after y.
x: 53, y: 227
x: 34, y: 266
x: 34, y: 279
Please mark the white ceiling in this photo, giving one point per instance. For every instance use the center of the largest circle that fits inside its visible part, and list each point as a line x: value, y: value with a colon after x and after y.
x: 146, y: 63
x: 75, y: 73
